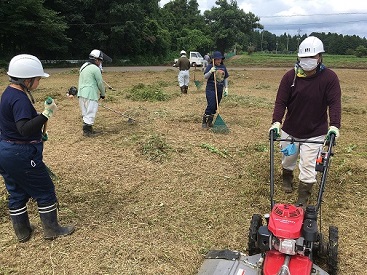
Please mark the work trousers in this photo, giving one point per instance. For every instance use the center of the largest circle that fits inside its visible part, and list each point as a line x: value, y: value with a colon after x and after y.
x: 89, y: 110
x: 183, y: 78
x: 211, y: 108
x: 25, y: 174
x: 307, y: 153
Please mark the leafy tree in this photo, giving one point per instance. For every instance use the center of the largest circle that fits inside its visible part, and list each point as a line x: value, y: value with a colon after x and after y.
x: 142, y: 31
x: 193, y: 40
x: 361, y: 51
x: 228, y: 24
x: 28, y: 27
x: 186, y: 25
x: 77, y: 15
x: 135, y: 29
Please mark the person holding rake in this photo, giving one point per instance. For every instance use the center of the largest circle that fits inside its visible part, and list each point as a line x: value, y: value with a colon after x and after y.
x: 214, y: 91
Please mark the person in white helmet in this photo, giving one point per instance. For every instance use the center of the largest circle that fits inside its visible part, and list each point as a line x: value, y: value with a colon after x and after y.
x: 91, y: 89
x: 21, y: 150
x: 310, y: 98
x: 183, y: 64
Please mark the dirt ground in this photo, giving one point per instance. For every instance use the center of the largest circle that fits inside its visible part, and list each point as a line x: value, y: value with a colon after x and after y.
x: 154, y: 196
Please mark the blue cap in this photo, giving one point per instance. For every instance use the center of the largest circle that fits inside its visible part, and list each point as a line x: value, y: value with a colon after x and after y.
x: 217, y: 55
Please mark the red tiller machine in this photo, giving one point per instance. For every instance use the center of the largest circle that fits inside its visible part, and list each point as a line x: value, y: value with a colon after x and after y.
x: 288, y: 240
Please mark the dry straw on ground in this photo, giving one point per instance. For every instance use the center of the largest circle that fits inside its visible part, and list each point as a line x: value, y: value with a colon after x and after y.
x: 153, y: 197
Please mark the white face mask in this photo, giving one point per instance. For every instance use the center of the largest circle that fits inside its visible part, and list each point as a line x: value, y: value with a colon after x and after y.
x: 308, y: 64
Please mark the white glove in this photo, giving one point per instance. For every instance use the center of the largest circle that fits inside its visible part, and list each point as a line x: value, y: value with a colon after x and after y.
x: 332, y: 130
x: 50, y: 108
x: 225, y: 92
x: 212, y: 69
x: 276, y: 128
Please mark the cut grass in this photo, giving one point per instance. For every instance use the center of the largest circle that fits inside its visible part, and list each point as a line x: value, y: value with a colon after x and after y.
x: 153, y: 197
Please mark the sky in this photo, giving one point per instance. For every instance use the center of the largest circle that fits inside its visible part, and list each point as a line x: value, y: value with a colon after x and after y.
x: 304, y: 16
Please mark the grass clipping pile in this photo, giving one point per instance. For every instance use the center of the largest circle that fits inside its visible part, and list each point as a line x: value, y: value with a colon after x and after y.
x: 154, y: 196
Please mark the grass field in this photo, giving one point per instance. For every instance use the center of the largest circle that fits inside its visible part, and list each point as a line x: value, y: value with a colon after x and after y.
x: 153, y: 197
x: 283, y: 60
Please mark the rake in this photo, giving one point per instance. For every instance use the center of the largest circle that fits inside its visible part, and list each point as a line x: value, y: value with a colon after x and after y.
x: 219, y: 125
x: 198, y: 83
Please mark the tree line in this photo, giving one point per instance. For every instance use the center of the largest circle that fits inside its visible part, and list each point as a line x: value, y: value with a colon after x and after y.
x: 142, y: 31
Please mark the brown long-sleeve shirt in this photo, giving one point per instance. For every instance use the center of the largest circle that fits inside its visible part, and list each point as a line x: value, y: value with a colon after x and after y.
x: 183, y: 63
x: 307, y: 103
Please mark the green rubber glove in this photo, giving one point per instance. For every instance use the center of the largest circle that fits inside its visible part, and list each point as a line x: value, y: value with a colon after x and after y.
x: 213, y: 69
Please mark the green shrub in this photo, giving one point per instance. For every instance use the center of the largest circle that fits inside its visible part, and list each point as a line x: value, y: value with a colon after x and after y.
x: 142, y: 92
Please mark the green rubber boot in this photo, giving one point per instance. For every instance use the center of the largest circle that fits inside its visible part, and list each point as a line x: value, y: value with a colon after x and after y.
x: 287, y: 181
x: 304, y: 193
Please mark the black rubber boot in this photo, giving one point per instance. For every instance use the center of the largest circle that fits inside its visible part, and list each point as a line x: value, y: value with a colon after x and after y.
x: 210, y: 120
x: 185, y: 89
x: 304, y: 193
x: 204, y: 125
x: 287, y: 181
x: 182, y: 89
x: 51, y: 227
x: 88, y: 130
x: 21, y: 225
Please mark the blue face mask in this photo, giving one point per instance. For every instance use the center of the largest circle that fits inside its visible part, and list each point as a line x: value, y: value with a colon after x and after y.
x: 289, y: 150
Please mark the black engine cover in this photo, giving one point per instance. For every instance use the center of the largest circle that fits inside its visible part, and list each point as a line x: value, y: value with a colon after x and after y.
x: 309, y: 230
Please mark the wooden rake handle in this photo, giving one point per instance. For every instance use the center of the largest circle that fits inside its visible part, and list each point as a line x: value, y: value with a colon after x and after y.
x: 215, y: 88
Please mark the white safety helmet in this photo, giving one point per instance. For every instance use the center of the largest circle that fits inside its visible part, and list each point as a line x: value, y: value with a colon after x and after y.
x: 182, y: 52
x: 96, y: 54
x: 311, y: 46
x: 26, y: 66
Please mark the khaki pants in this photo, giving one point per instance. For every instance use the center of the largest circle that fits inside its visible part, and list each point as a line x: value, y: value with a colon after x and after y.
x: 307, y: 157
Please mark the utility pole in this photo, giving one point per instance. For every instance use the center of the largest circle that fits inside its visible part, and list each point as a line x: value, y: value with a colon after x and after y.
x: 299, y: 36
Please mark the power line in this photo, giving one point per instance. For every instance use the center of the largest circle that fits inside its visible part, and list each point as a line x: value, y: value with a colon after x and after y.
x: 314, y: 23
x: 316, y: 14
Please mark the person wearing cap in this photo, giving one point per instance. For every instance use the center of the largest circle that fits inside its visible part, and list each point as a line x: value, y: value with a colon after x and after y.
x: 21, y: 150
x: 91, y: 89
x: 183, y: 64
x: 309, y: 96
x: 216, y: 71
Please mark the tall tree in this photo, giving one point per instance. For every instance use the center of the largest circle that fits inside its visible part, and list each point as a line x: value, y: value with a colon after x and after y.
x: 27, y: 26
x: 186, y: 25
x: 135, y: 29
x: 229, y: 24
x: 74, y: 14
